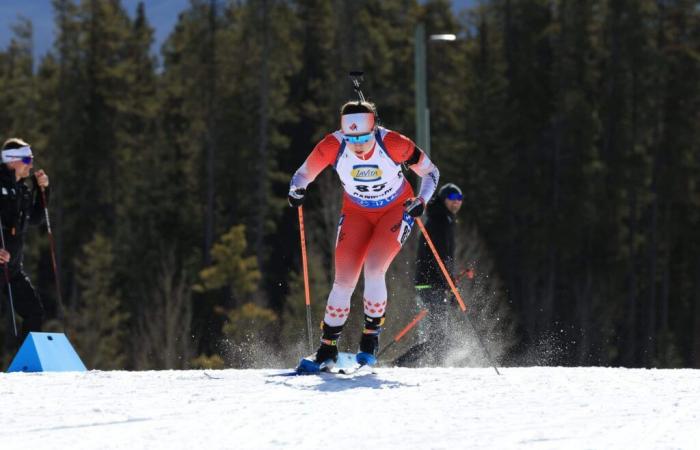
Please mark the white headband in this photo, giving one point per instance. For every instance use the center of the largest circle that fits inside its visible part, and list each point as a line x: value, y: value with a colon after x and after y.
x: 358, y: 123
x: 14, y: 154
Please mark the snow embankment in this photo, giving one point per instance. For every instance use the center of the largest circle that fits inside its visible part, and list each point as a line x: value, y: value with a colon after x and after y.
x: 537, y: 408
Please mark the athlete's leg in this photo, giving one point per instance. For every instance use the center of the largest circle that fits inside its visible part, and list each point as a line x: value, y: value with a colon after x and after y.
x: 354, y: 232
x: 389, y: 235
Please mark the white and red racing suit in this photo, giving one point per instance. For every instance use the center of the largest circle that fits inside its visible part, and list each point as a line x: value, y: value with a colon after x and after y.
x: 373, y: 224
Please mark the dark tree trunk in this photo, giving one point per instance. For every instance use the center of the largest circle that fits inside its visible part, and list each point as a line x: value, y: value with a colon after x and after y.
x: 663, y: 326
x: 63, y: 116
x: 631, y: 311
x: 263, y: 151
x: 583, y: 295
x: 696, y: 319
x: 651, y: 320
x: 210, y: 138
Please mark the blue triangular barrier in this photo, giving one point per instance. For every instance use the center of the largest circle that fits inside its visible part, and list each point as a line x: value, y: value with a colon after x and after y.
x: 46, y: 352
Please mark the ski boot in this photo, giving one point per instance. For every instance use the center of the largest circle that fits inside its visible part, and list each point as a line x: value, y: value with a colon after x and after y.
x: 369, y: 342
x: 326, y: 355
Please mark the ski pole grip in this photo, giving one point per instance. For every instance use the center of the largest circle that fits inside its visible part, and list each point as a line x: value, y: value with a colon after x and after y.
x: 446, y: 274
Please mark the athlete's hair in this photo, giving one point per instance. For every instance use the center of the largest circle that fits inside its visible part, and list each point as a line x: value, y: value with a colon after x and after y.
x: 354, y: 106
x: 13, y: 143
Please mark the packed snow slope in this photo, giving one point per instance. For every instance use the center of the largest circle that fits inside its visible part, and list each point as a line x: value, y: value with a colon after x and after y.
x: 532, y: 408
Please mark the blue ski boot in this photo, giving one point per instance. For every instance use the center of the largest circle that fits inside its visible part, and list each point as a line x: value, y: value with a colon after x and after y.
x: 369, y: 342
x: 327, y: 353
x: 366, y: 359
x: 308, y: 366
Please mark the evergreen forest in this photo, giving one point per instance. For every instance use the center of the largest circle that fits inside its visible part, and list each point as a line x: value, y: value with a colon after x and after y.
x: 572, y: 127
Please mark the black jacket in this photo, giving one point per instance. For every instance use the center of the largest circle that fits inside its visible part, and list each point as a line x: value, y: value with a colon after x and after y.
x: 20, y: 207
x: 441, y: 229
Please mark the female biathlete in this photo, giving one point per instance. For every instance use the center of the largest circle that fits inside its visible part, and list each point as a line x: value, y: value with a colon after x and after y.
x: 378, y: 211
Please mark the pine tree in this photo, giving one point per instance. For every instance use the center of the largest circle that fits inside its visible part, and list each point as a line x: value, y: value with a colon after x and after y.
x: 315, y: 101
x: 674, y: 210
x: 576, y: 177
x: 230, y: 267
x: 19, y: 95
x: 89, y: 78
x: 165, y: 343
x: 99, y: 318
x: 448, y: 79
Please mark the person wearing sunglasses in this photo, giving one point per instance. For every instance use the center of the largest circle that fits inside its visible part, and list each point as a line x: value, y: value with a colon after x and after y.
x: 20, y: 206
x: 432, y: 289
x: 379, y: 207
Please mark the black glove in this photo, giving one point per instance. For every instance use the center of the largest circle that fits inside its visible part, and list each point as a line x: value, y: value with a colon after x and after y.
x: 414, y: 207
x: 296, y: 196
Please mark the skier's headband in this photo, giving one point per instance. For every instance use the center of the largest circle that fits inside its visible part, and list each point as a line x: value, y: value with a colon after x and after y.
x: 15, y: 154
x: 357, y: 123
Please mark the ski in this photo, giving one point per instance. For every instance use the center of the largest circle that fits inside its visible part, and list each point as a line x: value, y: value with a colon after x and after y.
x: 357, y: 371
x: 346, y: 365
x: 344, y: 373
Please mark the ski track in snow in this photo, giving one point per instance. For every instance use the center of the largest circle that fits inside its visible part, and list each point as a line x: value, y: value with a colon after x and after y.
x: 532, y: 408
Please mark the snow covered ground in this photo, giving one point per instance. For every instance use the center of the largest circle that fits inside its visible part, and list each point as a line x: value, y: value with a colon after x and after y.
x: 533, y: 408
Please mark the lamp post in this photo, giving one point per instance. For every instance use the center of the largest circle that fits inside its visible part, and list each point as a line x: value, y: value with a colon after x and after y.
x: 422, y: 116
x: 422, y: 111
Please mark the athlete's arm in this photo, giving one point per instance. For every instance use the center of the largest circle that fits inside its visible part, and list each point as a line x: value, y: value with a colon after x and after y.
x: 403, y: 150
x: 323, y: 155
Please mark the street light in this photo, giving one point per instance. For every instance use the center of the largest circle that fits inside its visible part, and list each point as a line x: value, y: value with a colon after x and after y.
x: 422, y: 111
x: 443, y: 37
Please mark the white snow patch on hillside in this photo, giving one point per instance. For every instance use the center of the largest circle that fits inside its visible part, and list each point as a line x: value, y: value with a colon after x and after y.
x: 533, y: 408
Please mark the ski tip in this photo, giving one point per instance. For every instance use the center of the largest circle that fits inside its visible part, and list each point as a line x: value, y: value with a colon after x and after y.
x: 293, y: 373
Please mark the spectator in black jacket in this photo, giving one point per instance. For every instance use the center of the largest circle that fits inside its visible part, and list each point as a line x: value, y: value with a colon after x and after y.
x: 432, y: 288
x: 20, y: 206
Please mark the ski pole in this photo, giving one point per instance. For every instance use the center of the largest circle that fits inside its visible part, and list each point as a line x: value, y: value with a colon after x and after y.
x: 484, y: 349
x: 304, y: 264
x: 483, y: 346
x: 469, y: 272
x: 442, y: 266
x: 454, y: 289
x: 52, y: 245
x: 7, y: 280
x: 403, y: 332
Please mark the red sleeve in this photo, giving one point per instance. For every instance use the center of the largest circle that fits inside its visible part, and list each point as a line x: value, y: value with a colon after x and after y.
x: 399, y: 147
x: 323, y: 155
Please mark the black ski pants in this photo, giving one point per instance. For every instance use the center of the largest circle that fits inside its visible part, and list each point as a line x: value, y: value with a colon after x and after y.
x: 26, y: 301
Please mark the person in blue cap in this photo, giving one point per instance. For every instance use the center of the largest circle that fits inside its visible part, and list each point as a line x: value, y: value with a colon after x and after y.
x: 432, y: 289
